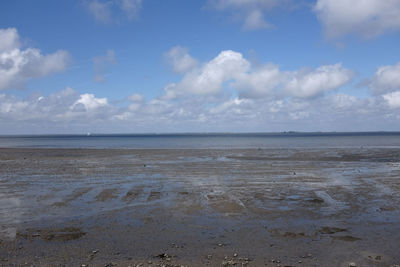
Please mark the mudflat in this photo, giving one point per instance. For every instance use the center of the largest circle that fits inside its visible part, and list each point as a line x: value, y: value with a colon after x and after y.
x: 198, y: 207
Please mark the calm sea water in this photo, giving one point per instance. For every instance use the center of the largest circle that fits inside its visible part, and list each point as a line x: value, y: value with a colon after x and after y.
x: 256, y: 140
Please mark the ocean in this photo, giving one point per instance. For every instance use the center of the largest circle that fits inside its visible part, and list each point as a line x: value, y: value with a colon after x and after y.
x: 206, y: 140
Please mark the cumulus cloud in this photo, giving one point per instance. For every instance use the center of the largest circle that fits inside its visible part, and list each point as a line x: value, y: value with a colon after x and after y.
x: 313, y: 83
x: 262, y: 81
x: 393, y: 99
x: 180, y: 60
x: 367, y: 18
x: 208, y: 79
x: 9, y: 39
x: 386, y: 79
x: 100, y: 65
x: 232, y: 71
x: 250, y: 12
x: 19, y: 65
x: 111, y: 11
x: 90, y: 102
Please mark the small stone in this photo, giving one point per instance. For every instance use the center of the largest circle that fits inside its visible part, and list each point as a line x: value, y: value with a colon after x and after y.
x: 235, y: 255
x: 219, y: 245
x: 300, y: 261
x: 352, y: 264
x: 150, y: 262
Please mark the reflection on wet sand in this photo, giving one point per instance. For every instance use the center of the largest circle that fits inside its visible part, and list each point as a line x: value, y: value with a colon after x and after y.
x: 311, y: 207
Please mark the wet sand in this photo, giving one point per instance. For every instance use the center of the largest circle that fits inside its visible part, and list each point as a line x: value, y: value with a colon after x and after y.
x: 182, y: 207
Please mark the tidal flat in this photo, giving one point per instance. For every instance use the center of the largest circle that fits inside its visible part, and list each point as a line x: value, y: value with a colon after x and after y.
x: 200, y: 207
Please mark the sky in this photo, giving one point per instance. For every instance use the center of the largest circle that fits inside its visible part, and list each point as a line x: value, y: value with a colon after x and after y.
x: 162, y: 66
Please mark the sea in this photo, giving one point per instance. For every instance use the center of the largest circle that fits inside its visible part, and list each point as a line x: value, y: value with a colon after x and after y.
x: 206, y: 140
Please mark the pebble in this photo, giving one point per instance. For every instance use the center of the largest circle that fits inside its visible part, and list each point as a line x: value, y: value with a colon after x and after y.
x: 352, y: 264
x: 235, y: 255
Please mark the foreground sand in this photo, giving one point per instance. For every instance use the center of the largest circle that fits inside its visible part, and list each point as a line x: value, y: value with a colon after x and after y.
x: 256, y: 207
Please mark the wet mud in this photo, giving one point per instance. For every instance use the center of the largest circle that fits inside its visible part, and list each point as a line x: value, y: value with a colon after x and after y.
x: 200, y: 207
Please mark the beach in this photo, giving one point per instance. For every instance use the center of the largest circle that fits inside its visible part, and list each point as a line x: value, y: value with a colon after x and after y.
x: 200, y: 207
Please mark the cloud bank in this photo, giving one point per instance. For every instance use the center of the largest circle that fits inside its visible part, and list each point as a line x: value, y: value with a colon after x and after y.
x: 226, y: 93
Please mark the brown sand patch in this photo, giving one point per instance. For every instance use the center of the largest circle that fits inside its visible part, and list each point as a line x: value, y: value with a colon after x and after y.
x: 348, y: 238
x: 331, y: 230
x: 154, y: 195
x: 133, y: 194
x: 107, y: 194
x: 62, y: 234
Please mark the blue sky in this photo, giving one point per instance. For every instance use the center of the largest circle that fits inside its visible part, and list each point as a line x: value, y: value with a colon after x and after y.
x: 192, y: 66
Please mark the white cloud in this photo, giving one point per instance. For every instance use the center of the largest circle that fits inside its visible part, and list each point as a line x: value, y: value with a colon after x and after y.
x: 250, y: 12
x: 232, y: 71
x: 113, y: 10
x: 254, y: 21
x: 313, y: 83
x: 17, y: 65
x: 393, y: 99
x: 130, y: 7
x: 70, y: 112
x: 180, y: 59
x: 367, y: 18
x: 343, y: 101
x: 9, y: 39
x: 137, y: 102
x: 208, y: 79
x: 136, y: 98
x: 90, y: 102
x: 261, y: 82
x: 386, y: 79
x: 100, y: 65
x: 100, y: 10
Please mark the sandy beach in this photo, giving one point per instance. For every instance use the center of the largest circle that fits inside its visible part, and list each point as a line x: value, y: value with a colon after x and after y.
x: 200, y: 207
